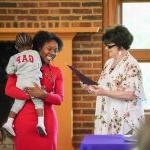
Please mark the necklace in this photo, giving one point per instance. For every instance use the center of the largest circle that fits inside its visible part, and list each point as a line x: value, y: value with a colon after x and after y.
x: 117, y: 61
x: 47, y: 73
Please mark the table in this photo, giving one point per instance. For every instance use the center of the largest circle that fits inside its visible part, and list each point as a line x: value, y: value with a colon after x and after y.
x: 105, y: 142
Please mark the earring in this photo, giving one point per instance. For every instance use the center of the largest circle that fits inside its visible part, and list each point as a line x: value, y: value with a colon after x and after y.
x: 120, y: 53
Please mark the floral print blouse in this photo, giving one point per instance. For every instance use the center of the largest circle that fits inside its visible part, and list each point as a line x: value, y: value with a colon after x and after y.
x: 116, y: 116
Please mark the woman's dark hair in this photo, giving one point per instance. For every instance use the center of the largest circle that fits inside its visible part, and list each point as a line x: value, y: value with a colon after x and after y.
x: 119, y: 35
x: 42, y: 37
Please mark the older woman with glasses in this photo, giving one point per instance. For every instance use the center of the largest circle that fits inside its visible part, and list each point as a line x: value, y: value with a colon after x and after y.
x: 119, y: 91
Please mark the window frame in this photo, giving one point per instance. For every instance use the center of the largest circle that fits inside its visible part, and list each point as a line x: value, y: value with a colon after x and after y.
x: 112, y: 15
x: 142, y: 55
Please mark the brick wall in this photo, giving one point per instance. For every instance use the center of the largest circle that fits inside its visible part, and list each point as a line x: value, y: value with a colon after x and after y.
x: 87, y: 47
x: 87, y: 54
x: 59, y: 13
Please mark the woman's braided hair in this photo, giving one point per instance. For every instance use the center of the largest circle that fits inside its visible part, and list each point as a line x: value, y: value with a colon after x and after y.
x: 23, y: 40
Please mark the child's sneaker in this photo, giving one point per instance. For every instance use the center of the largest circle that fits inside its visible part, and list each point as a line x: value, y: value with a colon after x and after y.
x: 8, y: 129
x: 41, y: 130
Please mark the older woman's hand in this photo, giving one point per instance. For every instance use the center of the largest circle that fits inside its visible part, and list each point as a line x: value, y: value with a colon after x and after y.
x: 84, y: 86
x: 36, y: 91
x: 93, y: 89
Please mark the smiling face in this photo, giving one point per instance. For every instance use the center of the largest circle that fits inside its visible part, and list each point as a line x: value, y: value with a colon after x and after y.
x: 112, y: 50
x: 48, y: 51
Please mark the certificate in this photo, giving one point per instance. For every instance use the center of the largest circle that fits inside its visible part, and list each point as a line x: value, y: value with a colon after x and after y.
x: 84, y: 79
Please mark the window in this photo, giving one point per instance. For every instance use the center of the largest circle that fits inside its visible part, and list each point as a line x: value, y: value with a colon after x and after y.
x: 146, y: 78
x: 136, y: 17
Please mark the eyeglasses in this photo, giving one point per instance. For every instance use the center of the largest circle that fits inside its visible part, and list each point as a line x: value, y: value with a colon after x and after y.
x: 111, y: 46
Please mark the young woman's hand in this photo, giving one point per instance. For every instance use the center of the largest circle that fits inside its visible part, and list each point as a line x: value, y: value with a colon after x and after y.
x: 36, y: 91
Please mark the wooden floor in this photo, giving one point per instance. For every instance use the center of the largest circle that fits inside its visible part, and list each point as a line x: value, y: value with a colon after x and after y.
x: 7, y: 144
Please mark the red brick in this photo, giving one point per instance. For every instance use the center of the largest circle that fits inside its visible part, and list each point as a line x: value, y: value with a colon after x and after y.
x: 89, y: 111
x: 91, y: 71
x: 94, y: 105
x: 82, y: 118
x: 65, y: 11
x: 39, y: 11
x: 82, y: 38
x: 71, y: 4
x: 8, y: 24
x: 46, y: 18
x: 82, y: 52
x: 64, y: 24
x: 97, y: 24
x: 50, y: 25
x: 81, y: 24
x: 3, y: 11
x: 27, y: 4
x: 91, y: 45
x: 76, y: 98
x: 7, y: 18
x: 56, y: 24
x: 82, y: 11
x: 82, y: 131
x: 76, y: 145
x: 91, y: 4
x: 70, y: 18
x: 89, y: 98
x: 82, y: 65
x: 97, y: 37
x: 30, y: 18
x: 91, y: 58
x: 76, y: 58
x: 77, y: 124
x: 22, y: 24
x: 36, y: 25
x: 80, y: 91
x: 97, y: 52
x: 29, y: 25
x: 77, y: 111
x: 48, y: 4
x: 75, y: 45
x: 54, y: 11
x: 97, y: 65
x: 15, y: 24
x: 17, y: 11
x: 43, y: 25
x: 7, y: 4
x: 92, y: 17
x: 76, y: 85
x: 97, y: 11
x: 77, y: 138
x: 88, y: 124
x: 81, y: 105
